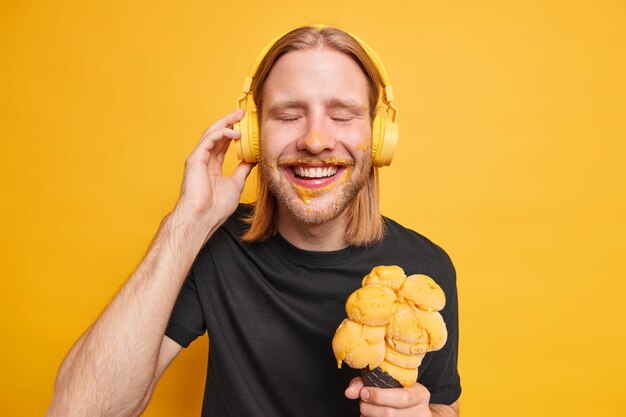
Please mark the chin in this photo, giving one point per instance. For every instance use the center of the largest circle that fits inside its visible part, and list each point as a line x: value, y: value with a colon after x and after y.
x: 313, y: 214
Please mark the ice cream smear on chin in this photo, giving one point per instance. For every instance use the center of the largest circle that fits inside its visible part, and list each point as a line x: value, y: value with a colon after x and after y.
x: 393, y: 321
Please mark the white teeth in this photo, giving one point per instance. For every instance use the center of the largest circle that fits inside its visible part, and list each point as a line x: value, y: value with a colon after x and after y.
x: 315, y: 172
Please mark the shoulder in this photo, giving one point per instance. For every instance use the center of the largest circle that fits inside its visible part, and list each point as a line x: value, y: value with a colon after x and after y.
x: 418, y: 254
x: 227, y: 238
x: 401, y: 236
x: 236, y: 224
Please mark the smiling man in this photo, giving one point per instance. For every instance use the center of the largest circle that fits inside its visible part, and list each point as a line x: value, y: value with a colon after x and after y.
x: 268, y: 282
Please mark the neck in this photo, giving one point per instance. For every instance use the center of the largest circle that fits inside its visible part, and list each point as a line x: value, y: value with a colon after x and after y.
x: 323, y: 237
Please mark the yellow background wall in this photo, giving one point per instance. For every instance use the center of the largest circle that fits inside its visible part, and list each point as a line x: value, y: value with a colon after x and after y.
x: 512, y: 157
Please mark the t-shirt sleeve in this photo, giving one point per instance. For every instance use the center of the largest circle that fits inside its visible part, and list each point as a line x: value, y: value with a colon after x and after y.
x: 186, y: 323
x: 441, y: 372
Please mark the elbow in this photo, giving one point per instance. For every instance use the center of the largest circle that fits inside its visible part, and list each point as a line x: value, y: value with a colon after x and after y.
x: 74, y: 397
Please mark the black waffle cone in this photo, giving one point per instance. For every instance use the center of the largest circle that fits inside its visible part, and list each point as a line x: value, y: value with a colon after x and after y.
x: 378, y: 378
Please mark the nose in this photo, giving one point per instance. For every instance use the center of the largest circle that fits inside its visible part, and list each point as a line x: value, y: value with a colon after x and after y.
x: 316, y: 142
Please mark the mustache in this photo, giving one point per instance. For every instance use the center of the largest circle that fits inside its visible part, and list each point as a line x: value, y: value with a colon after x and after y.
x: 314, y: 160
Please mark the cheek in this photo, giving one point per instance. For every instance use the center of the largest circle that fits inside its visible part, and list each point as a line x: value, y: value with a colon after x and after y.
x: 267, y: 139
x: 363, y: 143
x: 271, y: 147
x: 274, y: 139
x: 363, y: 146
x: 265, y: 133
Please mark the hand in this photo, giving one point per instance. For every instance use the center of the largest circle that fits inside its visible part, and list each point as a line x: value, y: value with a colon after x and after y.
x: 388, y: 402
x: 205, y: 190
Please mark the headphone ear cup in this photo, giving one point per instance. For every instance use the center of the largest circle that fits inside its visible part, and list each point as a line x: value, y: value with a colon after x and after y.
x: 384, y: 139
x: 378, y: 136
x: 390, y: 142
x: 247, y: 146
x: 253, y: 137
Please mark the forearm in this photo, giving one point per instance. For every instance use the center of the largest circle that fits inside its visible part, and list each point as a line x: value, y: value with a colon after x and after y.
x: 110, y: 368
x: 442, y: 410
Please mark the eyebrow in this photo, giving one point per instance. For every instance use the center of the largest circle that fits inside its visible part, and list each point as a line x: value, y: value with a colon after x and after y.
x: 334, y: 103
x: 350, y: 105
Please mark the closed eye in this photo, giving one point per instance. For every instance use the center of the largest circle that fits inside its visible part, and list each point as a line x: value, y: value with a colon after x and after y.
x: 342, y: 119
x: 287, y: 118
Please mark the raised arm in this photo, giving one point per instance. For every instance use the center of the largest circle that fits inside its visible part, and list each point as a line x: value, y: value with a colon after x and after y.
x: 113, y: 367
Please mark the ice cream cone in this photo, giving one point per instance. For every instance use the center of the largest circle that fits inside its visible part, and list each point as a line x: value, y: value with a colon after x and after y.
x: 393, y: 320
x: 378, y: 378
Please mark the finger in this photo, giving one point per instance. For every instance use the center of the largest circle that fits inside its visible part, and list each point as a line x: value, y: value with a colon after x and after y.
x: 371, y: 410
x: 241, y: 172
x: 209, y: 140
x: 219, y: 151
x: 354, y: 389
x: 216, y: 158
x: 374, y: 410
x: 227, y: 121
x: 214, y: 143
x: 396, y: 397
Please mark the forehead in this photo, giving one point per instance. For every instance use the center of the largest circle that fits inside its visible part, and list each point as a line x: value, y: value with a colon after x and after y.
x: 316, y: 74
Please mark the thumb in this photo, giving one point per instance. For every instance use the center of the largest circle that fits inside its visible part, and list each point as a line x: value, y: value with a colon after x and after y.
x: 241, y: 172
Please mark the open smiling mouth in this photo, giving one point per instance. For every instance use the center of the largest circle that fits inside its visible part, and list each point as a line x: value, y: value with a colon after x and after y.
x: 315, y: 172
x: 314, y: 176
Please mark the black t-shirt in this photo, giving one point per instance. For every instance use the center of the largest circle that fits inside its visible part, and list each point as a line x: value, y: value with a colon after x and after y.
x: 271, y: 311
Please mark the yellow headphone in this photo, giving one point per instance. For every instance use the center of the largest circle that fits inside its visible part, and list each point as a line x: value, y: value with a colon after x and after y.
x: 384, y: 125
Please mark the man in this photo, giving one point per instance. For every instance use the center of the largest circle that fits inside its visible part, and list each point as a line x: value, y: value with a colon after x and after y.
x: 269, y: 283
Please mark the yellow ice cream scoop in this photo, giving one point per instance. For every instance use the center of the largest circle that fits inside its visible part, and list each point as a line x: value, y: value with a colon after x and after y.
x: 405, y: 325
x: 423, y: 292
x: 386, y: 276
x: 359, y: 345
x: 371, y: 305
x: 435, y: 328
x: 414, y: 326
x: 405, y: 376
x: 407, y: 348
x: 402, y: 360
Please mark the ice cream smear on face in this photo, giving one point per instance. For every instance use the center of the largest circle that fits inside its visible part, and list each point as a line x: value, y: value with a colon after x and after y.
x: 393, y: 321
x: 310, y: 180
